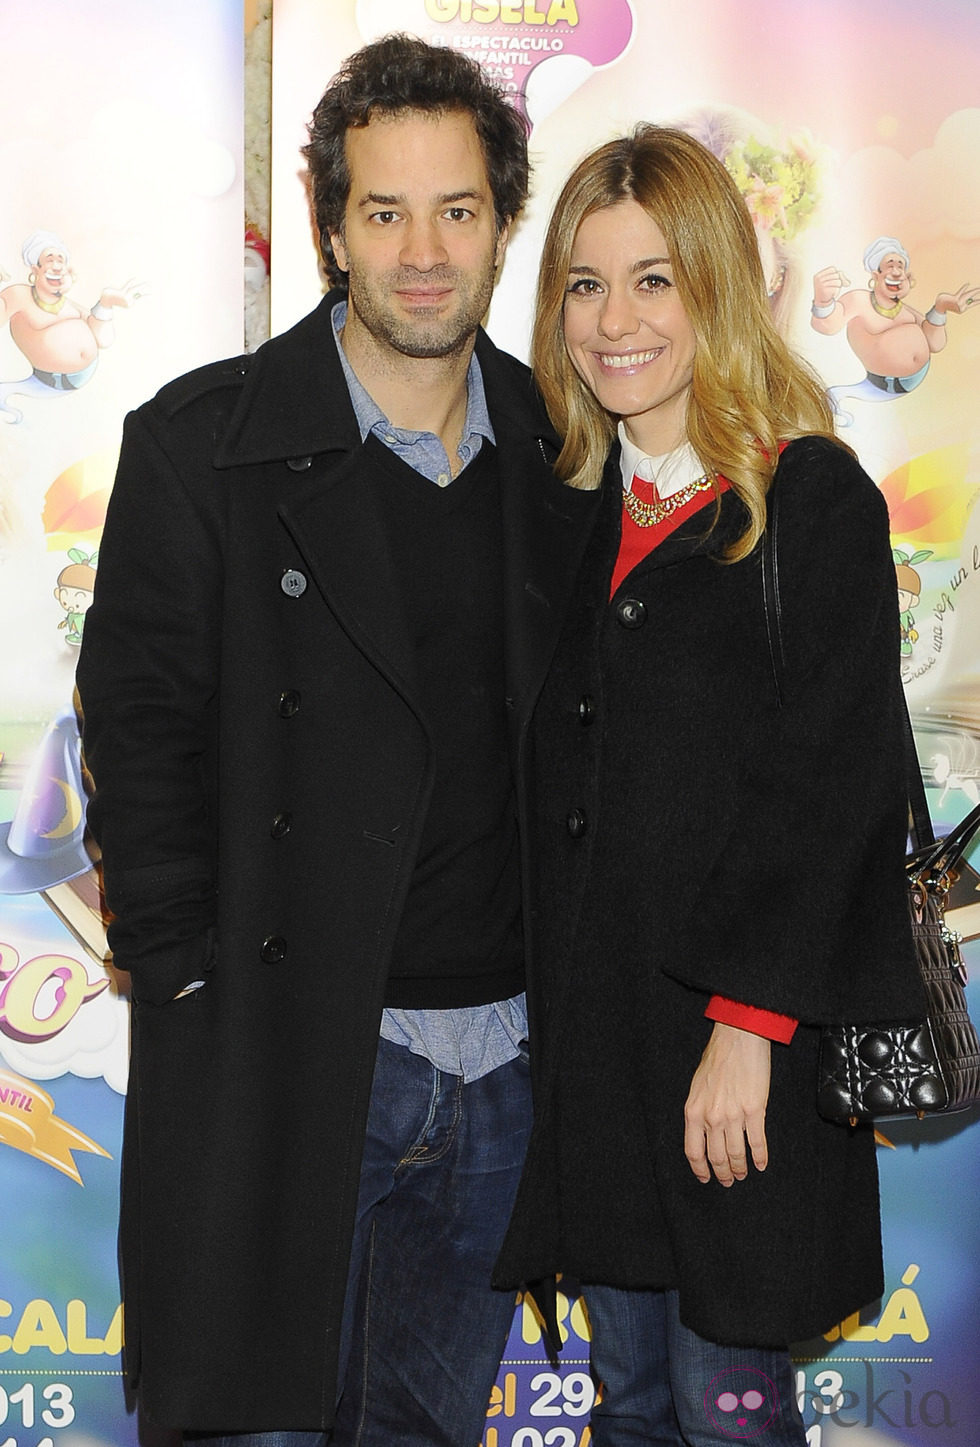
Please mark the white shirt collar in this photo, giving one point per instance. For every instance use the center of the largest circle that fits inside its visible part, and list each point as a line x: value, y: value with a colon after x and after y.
x: 671, y: 471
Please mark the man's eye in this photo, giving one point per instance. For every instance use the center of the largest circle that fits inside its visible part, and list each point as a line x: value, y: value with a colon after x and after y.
x: 458, y: 213
x: 384, y: 218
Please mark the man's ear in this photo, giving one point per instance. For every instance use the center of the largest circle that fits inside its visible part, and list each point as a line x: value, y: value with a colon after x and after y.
x: 339, y: 250
x: 503, y: 236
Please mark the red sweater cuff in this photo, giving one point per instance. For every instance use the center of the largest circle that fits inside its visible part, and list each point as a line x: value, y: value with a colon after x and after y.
x: 780, y: 1028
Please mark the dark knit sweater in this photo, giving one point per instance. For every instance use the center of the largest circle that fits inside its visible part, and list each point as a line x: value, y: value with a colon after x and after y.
x: 460, y: 940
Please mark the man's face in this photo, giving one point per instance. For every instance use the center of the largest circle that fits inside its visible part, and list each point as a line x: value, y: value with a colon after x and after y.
x: 51, y: 275
x: 891, y: 281
x: 419, y: 242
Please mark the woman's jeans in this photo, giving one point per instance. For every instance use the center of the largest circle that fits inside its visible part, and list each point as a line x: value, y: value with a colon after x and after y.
x: 665, y: 1386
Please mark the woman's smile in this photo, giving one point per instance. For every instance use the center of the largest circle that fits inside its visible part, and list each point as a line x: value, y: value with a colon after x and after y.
x: 626, y: 330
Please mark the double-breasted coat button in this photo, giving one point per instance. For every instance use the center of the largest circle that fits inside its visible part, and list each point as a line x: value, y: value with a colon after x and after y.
x: 631, y: 613
x: 281, y: 825
x: 586, y: 709
x: 273, y: 950
x: 293, y: 583
x: 289, y: 702
x: 299, y: 464
x: 577, y: 823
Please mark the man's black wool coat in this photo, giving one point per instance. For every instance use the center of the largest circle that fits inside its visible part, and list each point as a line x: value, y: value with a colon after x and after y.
x: 263, y: 770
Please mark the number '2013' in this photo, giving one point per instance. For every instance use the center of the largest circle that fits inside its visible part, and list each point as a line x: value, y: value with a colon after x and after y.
x: 58, y: 1413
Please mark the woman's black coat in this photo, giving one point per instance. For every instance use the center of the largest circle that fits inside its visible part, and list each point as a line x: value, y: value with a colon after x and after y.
x: 695, y: 838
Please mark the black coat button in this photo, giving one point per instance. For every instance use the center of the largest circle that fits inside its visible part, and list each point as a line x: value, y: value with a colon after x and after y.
x: 293, y: 583
x: 586, y: 709
x: 281, y: 825
x: 289, y: 702
x: 577, y: 823
x: 631, y: 613
x: 299, y: 464
x: 273, y: 950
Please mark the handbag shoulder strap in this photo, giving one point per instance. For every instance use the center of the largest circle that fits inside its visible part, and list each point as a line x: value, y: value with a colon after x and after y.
x: 920, y: 824
x: 942, y: 855
x: 770, y: 595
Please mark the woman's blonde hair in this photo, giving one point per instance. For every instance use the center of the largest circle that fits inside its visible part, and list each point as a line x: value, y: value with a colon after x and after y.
x: 749, y: 392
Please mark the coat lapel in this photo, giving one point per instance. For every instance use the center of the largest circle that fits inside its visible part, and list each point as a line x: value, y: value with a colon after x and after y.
x: 294, y: 410
x: 545, y: 524
x: 295, y: 416
x: 339, y: 527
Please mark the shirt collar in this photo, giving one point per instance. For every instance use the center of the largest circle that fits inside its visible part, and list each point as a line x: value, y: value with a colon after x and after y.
x: 671, y: 471
x: 370, y: 417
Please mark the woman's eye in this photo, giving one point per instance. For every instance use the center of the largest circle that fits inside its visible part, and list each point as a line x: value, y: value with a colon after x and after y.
x: 656, y: 282
x: 584, y: 286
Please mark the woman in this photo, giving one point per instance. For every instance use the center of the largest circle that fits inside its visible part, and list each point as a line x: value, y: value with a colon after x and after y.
x: 707, y: 854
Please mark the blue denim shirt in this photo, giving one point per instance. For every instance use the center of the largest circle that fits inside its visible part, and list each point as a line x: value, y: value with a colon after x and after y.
x: 472, y: 1041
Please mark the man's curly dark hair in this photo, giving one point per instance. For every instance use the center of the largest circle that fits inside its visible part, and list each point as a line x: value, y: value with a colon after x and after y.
x: 396, y: 74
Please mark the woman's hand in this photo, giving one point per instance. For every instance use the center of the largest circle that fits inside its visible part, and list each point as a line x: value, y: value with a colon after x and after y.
x: 726, y: 1106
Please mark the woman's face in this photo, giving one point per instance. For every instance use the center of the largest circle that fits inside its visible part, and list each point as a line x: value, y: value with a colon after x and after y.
x: 626, y: 330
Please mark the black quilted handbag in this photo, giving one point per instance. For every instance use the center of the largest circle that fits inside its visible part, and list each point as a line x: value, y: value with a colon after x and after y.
x: 870, y: 1071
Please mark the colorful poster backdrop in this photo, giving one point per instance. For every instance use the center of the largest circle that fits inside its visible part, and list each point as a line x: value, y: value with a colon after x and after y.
x: 120, y: 266
x: 852, y: 132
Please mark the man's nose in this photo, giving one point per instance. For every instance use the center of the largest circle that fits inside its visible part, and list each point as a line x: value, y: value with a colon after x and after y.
x: 423, y: 248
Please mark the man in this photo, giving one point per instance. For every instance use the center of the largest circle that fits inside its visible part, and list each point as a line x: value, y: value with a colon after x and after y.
x: 305, y: 715
x: 61, y: 342
x: 892, y: 340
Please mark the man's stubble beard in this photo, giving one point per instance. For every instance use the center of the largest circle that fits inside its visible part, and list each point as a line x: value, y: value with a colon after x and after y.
x: 445, y: 336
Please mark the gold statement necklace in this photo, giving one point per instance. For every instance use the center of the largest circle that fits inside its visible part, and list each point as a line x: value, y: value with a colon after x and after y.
x: 648, y: 514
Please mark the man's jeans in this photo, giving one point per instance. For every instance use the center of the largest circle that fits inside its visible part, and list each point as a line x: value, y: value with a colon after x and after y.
x: 665, y: 1386
x: 423, y: 1331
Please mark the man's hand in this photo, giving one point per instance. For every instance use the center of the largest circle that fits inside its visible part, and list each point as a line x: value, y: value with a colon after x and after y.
x: 726, y: 1106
